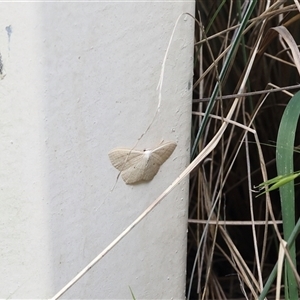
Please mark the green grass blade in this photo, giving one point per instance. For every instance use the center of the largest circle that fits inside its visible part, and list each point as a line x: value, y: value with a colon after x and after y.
x: 272, y: 276
x: 131, y: 292
x: 277, y: 182
x: 285, y: 165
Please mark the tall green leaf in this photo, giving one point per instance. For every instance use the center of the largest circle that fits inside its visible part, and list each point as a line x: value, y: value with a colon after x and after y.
x: 285, y: 165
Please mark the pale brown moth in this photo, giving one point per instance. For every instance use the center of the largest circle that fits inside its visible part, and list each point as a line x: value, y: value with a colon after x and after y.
x: 136, y: 166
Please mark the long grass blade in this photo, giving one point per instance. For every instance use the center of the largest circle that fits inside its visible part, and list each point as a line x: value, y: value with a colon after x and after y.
x: 285, y: 165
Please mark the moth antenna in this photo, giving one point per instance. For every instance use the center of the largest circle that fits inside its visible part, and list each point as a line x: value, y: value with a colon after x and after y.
x: 116, y: 182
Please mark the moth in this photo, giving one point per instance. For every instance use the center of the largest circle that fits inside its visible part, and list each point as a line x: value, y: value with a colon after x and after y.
x: 136, y: 166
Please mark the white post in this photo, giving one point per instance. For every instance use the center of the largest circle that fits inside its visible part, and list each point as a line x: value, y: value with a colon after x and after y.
x: 76, y: 80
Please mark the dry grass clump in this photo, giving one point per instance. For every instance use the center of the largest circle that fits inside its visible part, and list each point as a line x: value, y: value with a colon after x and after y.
x: 239, y: 97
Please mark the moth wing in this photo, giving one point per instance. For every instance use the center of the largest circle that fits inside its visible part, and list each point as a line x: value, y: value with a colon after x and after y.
x: 163, y: 152
x: 156, y: 158
x: 135, y: 173
x: 123, y: 158
x: 152, y: 168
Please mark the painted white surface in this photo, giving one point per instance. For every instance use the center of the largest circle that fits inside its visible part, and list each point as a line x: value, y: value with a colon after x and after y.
x: 79, y: 79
